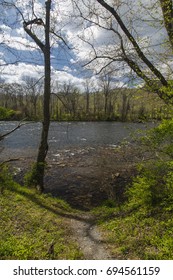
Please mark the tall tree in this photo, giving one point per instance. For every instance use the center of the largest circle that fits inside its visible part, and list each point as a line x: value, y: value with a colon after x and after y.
x: 105, y: 85
x: 41, y: 28
x: 45, y: 48
x: 137, y: 48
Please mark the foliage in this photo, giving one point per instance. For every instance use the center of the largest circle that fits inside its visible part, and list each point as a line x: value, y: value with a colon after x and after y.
x: 6, y: 114
x: 168, y: 90
x: 161, y: 138
x: 141, y: 228
x: 132, y: 236
x: 124, y: 105
x: 153, y: 187
x: 31, y: 177
x: 152, y: 190
x: 32, y: 224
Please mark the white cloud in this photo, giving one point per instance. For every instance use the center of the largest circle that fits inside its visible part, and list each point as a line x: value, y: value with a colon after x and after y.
x: 136, y: 14
x: 16, y: 39
x: 15, y: 73
x: 61, y: 78
x: 67, y: 69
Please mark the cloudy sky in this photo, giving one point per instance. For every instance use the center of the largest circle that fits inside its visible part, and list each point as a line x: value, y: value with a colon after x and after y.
x: 25, y: 59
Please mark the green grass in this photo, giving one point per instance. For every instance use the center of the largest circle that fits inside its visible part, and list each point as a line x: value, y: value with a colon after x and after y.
x: 31, y: 223
x: 136, y: 235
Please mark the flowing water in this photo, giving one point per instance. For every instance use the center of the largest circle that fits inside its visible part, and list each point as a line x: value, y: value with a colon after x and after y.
x: 66, y: 136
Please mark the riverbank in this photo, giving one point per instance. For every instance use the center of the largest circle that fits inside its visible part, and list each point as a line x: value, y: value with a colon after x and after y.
x: 86, y: 177
x: 83, y: 180
x: 92, y: 221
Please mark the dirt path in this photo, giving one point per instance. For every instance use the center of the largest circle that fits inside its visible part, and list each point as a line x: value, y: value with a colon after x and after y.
x: 90, y: 241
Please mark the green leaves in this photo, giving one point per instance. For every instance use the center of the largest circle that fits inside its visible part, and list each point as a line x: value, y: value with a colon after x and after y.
x: 160, y: 139
x: 6, y: 113
x: 153, y: 188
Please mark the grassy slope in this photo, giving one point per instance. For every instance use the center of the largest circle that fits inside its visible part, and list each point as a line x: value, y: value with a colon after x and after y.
x: 137, y: 235
x: 31, y: 223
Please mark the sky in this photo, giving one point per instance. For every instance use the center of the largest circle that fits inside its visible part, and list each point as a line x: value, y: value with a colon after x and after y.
x: 23, y: 58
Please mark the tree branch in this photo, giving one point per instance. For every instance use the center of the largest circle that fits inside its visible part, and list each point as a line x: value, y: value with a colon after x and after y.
x: 31, y: 34
x: 11, y: 131
x: 141, y: 55
x: 64, y: 104
x: 61, y: 38
x: 8, y: 160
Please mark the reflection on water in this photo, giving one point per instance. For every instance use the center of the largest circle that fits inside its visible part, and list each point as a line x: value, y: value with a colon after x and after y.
x: 65, y: 135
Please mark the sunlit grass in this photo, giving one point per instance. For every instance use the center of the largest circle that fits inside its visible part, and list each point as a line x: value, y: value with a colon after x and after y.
x: 136, y: 235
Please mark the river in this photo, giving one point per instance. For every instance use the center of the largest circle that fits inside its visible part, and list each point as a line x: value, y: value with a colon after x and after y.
x: 65, y: 135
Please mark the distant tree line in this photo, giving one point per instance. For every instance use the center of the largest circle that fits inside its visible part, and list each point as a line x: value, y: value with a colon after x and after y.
x: 25, y: 101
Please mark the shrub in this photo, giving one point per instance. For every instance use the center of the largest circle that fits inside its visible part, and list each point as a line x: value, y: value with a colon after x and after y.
x: 32, y: 177
x: 160, y: 138
x: 153, y: 188
x: 6, y: 113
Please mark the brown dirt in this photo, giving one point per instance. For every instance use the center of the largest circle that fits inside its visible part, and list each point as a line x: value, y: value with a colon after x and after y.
x: 87, y: 177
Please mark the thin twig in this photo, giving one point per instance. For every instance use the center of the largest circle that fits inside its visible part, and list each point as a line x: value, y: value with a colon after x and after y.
x: 14, y: 129
x: 8, y: 160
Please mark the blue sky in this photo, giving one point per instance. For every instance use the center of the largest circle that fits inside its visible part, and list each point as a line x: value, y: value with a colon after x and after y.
x: 67, y: 63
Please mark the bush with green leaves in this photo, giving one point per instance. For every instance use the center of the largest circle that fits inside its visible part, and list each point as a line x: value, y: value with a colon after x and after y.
x: 6, y: 113
x: 153, y: 187
x: 160, y: 139
x: 31, y: 177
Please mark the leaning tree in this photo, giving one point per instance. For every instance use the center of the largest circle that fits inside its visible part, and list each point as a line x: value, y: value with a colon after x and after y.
x: 45, y: 48
x: 124, y: 25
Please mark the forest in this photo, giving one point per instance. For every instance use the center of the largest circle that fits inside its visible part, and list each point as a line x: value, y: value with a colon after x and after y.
x: 89, y: 61
x: 69, y: 104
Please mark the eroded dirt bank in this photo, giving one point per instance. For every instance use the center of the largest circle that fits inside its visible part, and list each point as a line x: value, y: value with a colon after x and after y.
x: 86, y: 177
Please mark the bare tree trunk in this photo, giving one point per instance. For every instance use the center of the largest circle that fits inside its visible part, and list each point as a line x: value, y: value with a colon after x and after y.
x: 43, y: 148
x: 87, y: 102
x: 38, y: 172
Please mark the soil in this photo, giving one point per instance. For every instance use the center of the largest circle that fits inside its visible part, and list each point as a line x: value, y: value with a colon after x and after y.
x: 85, y: 178
x: 90, y: 241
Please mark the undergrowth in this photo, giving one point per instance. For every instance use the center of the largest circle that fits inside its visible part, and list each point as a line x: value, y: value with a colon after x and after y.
x: 141, y: 228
